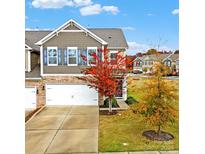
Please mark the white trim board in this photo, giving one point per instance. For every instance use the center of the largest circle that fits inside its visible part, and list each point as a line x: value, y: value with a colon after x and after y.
x: 44, y: 75
x: 33, y: 78
x: 62, y: 27
x: 41, y: 59
x: 29, y: 61
x: 28, y: 47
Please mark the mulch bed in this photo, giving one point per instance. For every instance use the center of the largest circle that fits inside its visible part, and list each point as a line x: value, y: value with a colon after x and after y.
x: 163, y: 136
x: 31, y: 114
x: 106, y: 112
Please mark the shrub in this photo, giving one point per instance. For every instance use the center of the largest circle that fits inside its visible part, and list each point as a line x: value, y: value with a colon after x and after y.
x: 145, y: 70
x: 114, y: 102
x: 130, y: 100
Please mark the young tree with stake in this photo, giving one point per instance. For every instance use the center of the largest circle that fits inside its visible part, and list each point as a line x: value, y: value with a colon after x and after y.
x: 103, y: 75
x: 157, y: 106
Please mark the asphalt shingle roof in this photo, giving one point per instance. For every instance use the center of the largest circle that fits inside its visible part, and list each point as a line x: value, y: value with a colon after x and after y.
x: 155, y: 57
x: 31, y: 37
x: 174, y: 57
x: 114, y: 37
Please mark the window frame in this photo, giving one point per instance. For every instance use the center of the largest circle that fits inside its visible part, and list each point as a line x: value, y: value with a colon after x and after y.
x: 168, y: 63
x: 115, y: 52
x: 76, y: 57
x: 88, y: 48
x: 48, y: 64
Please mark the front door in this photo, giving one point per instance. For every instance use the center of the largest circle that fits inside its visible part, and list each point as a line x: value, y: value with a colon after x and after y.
x: 119, y: 89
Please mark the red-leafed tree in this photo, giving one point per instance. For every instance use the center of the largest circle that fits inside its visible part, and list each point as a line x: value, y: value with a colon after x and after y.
x: 104, y: 74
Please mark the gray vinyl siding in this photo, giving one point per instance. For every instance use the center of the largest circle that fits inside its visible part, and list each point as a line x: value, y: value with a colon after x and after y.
x: 72, y: 28
x: 64, y: 40
x: 63, y: 69
x: 77, y: 39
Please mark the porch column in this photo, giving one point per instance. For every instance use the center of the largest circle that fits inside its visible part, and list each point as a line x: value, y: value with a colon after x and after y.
x: 29, y: 61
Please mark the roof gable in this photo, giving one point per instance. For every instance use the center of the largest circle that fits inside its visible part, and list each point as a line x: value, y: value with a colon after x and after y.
x: 68, y: 24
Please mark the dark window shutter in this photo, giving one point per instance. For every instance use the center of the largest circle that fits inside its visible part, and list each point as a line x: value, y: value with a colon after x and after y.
x: 99, y: 54
x: 65, y: 57
x: 82, y: 52
x: 45, y: 56
x: 59, y: 56
x: 79, y: 56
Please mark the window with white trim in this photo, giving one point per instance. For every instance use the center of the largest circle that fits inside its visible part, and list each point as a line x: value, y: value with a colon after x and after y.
x: 113, y: 57
x: 139, y: 63
x: 72, y: 56
x: 52, y: 53
x: 177, y: 62
x: 168, y: 63
x: 91, y: 52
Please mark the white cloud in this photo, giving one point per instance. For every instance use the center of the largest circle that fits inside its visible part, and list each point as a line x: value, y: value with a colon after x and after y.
x: 137, y: 46
x: 113, y: 9
x: 97, y: 9
x: 128, y: 28
x: 86, y: 6
x: 150, y: 14
x: 91, y: 10
x: 54, y: 4
x: 175, y: 11
x: 140, y: 47
x: 165, y: 48
x: 82, y: 2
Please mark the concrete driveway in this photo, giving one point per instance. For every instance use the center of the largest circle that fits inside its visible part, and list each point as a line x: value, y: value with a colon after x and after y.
x: 63, y: 129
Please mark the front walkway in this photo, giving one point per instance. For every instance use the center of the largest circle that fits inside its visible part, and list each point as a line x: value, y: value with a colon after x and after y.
x: 68, y: 129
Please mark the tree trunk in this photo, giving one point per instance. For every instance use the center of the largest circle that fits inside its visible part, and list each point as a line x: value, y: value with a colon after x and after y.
x: 110, y: 104
x: 158, y: 130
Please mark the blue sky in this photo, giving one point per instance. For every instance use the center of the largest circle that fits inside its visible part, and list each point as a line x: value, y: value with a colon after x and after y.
x: 146, y: 23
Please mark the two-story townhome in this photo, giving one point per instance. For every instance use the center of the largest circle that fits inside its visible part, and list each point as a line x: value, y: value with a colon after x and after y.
x: 144, y: 64
x: 54, y: 78
x: 172, y: 61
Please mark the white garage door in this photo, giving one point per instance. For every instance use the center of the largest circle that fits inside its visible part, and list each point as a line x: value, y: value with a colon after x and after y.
x: 71, y: 95
x: 30, y: 98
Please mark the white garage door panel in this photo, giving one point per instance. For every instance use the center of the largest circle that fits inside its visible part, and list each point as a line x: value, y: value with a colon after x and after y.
x: 30, y: 98
x: 71, y: 95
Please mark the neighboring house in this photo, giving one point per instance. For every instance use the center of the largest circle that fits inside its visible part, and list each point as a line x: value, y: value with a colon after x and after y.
x: 172, y: 61
x: 55, y: 81
x: 144, y: 64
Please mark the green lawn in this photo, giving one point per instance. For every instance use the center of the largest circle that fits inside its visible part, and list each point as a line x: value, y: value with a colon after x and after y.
x: 124, y: 133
